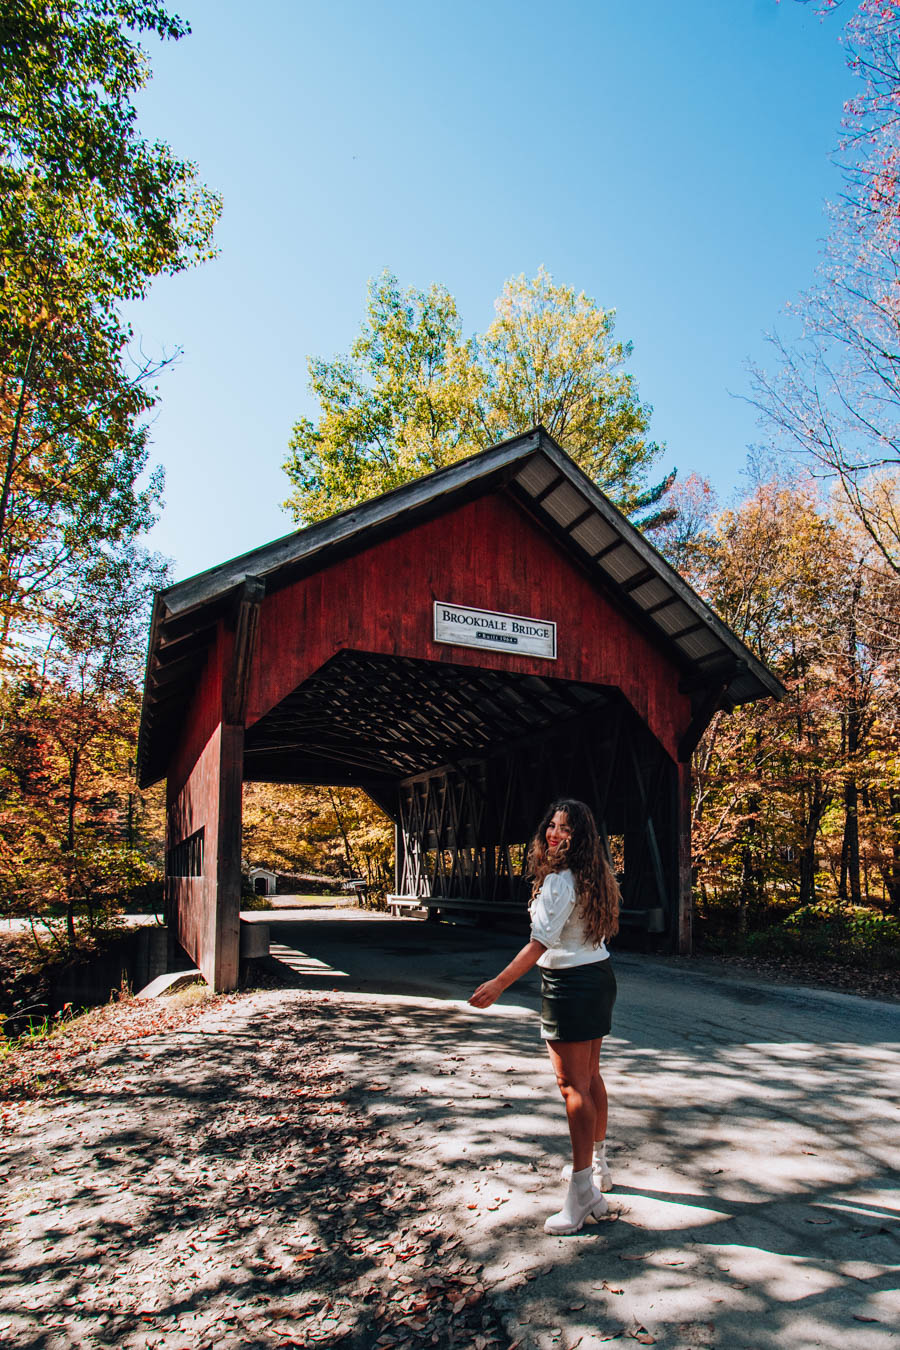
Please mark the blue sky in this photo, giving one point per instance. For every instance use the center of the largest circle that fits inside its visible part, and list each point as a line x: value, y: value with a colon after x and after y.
x: 671, y: 160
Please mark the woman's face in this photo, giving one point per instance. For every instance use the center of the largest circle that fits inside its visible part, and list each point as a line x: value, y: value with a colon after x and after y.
x: 558, y: 831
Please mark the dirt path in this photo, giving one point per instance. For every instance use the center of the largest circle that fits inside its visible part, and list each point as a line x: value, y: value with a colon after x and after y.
x: 221, y: 1185
x: 328, y: 1165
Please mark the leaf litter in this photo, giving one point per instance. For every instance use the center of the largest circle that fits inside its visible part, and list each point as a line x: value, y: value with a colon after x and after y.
x: 247, y: 1184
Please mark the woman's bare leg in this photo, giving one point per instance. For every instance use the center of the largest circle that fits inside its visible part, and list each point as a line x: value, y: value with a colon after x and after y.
x: 598, y: 1093
x: 572, y: 1063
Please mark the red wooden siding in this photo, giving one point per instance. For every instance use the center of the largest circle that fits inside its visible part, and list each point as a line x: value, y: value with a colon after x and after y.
x: 204, y: 792
x: 203, y: 714
x: 488, y: 554
x: 192, y: 900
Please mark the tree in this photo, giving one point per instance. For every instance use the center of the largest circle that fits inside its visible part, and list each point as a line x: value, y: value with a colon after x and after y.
x: 795, y: 802
x: 402, y: 403
x: 330, y: 831
x: 413, y: 395
x: 68, y: 828
x: 551, y: 357
x: 90, y: 213
x: 835, y: 395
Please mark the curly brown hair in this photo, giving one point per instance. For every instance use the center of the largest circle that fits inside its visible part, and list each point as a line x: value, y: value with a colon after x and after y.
x: 595, y: 884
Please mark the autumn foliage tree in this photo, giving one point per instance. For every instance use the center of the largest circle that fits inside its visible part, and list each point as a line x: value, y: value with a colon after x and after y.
x: 91, y: 213
x: 795, y: 803
x: 329, y: 832
x: 73, y: 829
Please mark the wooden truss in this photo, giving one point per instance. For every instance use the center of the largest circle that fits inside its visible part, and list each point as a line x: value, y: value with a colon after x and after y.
x: 463, y: 829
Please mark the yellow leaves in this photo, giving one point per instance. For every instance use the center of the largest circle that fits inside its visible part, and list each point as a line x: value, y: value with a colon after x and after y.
x: 413, y: 395
x: 297, y: 829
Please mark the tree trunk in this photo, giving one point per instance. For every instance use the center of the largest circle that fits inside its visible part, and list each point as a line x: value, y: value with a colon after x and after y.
x: 850, y: 879
x: 69, y: 845
x: 851, y: 888
x: 890, y: 868
x: 348, y: 852
x: 817, y: 806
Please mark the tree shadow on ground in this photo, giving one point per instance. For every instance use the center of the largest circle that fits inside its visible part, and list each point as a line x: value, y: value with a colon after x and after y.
x: 262, y: 1181
x: 771, y: 1120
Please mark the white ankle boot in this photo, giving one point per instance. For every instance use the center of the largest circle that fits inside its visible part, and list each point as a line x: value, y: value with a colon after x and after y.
x: 602, y: 1174
x: 583, y: 1199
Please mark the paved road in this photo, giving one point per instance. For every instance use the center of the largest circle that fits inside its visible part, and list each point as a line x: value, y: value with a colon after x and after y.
x: 754, y: 1139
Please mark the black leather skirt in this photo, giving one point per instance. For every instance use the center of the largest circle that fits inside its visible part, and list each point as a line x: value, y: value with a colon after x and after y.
x: 577, y: 1002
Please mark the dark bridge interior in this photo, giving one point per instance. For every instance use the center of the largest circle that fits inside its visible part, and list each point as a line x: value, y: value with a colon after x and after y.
x: 382, y: 718
x: 465, y: 760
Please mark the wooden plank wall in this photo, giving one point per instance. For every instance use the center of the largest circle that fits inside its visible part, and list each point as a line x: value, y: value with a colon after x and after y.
x: 464, y: 825
x: 488, y: 553
x: 204, y: 792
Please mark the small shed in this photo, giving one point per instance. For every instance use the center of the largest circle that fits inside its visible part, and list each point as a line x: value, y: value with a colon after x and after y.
x: 262, y: 881
x: 464, y: 649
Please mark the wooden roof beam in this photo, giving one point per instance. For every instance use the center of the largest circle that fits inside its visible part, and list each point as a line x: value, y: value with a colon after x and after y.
x: 661, y: 604
x: 580, y: 519
x: 607, y: 548
x: 639, y: 579
x: 703, y: 715
x: 551, y: 487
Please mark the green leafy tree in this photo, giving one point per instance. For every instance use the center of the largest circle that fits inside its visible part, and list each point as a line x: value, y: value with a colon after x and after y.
x: 551, y: 357
x: 90, y: 213
x: 414, y: 395
x: 402, y: 403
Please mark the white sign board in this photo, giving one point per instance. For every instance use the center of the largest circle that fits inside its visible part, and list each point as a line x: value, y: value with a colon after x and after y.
x: 483, y: 628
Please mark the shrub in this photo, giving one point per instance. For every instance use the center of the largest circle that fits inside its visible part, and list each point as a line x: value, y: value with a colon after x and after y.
x: 833, y: 932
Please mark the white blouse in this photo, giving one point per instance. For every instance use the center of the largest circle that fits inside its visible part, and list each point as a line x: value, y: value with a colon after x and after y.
x: 556, y: 922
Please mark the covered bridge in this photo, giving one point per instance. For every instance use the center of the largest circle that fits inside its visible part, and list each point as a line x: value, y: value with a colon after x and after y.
x: 463, y: 648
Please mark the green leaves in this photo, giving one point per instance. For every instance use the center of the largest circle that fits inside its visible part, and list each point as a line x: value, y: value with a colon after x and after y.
x: 414, y: 395
x: 401, y: 404
x: 551, y: 357
x: 90, y: 213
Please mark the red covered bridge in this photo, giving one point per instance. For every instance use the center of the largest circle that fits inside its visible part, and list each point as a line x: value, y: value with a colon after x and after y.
x: 463, y: 648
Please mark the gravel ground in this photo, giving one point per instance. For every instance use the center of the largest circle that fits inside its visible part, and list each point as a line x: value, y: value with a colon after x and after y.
x: 199, y: 1175
x: 307, y: 1167
x: 798, y: 972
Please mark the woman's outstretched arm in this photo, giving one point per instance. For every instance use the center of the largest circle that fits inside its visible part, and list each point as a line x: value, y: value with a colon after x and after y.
x: 490, y: 991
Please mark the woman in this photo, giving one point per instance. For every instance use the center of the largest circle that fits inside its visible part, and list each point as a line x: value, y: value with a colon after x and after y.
x: 574, y: 907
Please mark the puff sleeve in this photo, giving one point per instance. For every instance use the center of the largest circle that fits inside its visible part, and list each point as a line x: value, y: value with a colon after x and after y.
x: 552, y: 906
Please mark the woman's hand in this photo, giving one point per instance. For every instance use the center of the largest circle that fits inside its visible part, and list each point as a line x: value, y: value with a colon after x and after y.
x: 490, y: 991
x: 486, y: 994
